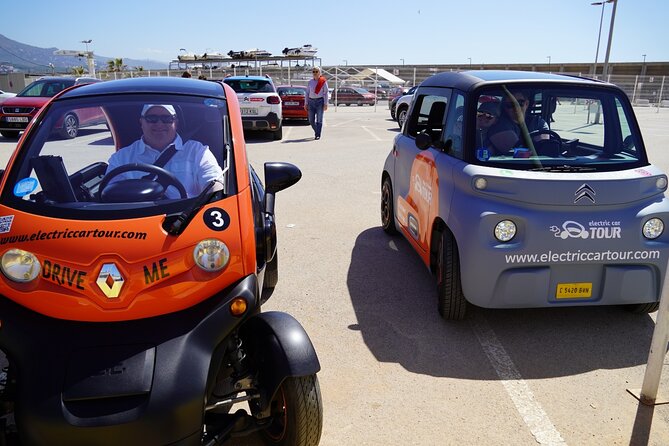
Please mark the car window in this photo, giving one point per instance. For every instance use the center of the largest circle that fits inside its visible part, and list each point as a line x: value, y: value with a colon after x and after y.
x: 291, y: 91
x: 568, y: 127
x: 57, y: 171
x: 428, y: 116
x: 250, y: 86
x: 44, y: 88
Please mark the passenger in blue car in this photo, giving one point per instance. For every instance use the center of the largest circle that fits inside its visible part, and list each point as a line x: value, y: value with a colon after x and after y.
x: 487, y: 115
x: 508, y: 132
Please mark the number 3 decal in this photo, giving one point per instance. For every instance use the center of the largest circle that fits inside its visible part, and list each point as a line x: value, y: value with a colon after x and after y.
x: 216, y: 219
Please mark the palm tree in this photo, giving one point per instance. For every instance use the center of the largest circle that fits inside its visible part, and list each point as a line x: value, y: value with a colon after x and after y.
x: 118, y: 65
x: 78, y: 71
x: 110, y: 65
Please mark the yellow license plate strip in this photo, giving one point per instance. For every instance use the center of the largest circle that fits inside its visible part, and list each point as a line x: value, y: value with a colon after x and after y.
x: 577, y: 290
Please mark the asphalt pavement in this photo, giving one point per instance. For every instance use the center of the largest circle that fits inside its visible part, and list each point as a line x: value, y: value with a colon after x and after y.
x: 393, y: 372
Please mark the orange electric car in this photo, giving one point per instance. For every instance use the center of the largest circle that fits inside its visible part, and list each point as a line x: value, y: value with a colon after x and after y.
x: 134, y: 259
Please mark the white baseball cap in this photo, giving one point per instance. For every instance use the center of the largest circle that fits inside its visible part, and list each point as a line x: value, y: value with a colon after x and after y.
x: 167, y: 107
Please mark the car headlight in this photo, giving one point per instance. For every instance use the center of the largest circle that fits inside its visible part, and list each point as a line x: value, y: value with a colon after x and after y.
x: 211, y: 255
x: 653, y: 228
x: 661, y: 183
x: 20, y: 266
x: 505, y: 230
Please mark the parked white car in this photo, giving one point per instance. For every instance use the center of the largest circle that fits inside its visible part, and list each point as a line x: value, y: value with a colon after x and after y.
x: 402, y: 108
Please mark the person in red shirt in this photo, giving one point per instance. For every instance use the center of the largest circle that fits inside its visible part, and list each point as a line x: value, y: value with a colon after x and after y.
x: 317, y: 101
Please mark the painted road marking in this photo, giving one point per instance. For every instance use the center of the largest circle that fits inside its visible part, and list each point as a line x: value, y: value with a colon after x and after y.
x: 533, y: 414
x: 371, y: 133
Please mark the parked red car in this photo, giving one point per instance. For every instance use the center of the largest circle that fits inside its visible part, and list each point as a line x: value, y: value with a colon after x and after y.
x: 292, y: 101
x: 353, y: 95
x: 17, y: 112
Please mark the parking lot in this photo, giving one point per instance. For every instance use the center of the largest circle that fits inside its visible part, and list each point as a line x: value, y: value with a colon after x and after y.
x: 393, y: 372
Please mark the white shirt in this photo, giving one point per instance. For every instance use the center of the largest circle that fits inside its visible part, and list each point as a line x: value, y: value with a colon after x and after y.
x: 192, y: 163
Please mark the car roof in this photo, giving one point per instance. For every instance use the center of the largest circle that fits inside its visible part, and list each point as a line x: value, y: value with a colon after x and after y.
x: 252, y: 78
x: 174, y: 85
x: 468, y: 80
x: 291, y: 86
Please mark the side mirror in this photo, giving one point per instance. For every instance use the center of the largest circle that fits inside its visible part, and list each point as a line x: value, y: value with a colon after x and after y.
x: 423, y: 140
x: 278, y: 176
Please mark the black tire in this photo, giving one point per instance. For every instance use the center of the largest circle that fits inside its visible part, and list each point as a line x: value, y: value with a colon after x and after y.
x: 9, y: 134
x: 272, y: 272
x: 70, y: 127
x: 643, y: 308
x: 360, y: 104
x: 297, y: 411
x: 452, y: 303
x: 278, y: 134
x: 387, y: 207
x: 402, y: 116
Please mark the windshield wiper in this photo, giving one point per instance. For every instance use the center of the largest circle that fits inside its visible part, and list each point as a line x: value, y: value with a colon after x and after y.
x: 564, y: 168
x: 176, y: 223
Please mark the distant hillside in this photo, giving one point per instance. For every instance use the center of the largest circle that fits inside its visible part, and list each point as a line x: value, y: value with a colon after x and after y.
x: 33, y: 59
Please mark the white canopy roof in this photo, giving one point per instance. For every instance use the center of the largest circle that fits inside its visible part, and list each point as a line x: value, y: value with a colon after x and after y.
x: 372, y: 73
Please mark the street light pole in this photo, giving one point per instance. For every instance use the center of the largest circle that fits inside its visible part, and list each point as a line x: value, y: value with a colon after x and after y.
x: 608, y: 46
x: 402, y: 62
x: 345, y: 62
x: 549, y: 63
x: 599, y: 35
x: 470, y: 62
x: 643, y: 67
x: 89, y: 58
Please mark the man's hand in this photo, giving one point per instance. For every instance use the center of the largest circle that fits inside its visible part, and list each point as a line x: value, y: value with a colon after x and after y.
x: 325, y: 107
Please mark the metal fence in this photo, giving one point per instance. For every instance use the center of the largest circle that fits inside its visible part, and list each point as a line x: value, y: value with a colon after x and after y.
x: 642, y: 90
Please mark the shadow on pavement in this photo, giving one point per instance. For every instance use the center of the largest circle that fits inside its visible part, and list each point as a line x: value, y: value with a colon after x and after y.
x: 394, y: 298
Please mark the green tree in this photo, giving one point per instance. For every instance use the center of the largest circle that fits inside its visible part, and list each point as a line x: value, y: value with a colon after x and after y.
x: 78, y: 71
x: 119, y: 66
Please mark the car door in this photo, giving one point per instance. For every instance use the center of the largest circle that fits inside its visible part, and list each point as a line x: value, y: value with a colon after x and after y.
x: 416, y: 178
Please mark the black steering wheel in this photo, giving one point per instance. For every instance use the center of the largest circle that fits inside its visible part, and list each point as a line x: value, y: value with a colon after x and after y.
x: 142, y: 189
x: 552, y: 145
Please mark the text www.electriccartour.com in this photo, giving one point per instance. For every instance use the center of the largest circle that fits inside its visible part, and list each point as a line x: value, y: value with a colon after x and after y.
x: 581, y: 256
x: 69, y: 234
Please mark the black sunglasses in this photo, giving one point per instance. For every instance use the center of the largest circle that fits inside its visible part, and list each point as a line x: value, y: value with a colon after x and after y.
x: 521, y: 102
x: 165, y: 119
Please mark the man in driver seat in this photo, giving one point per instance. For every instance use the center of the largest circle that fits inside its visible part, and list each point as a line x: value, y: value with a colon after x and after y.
x: 191, y: 162
x: 507, y: 132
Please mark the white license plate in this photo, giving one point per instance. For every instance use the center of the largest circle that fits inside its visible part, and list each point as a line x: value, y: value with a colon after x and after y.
x: 249, y: 111
x: 292, y: 103
x: 16, y: 119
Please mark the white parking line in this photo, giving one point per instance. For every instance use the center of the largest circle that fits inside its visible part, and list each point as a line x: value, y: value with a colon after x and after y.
x: 287, y: 132
x: 346, y: 122
x: 371, y: 133
x: 533, y: 414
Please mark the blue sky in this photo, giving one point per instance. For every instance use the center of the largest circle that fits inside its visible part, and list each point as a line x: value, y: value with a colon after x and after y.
x: 362, y: 32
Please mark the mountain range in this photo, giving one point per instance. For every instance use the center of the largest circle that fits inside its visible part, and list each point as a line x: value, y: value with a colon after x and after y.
x: 34, y: 59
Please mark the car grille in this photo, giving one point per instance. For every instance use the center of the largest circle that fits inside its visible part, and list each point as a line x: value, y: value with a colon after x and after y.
x: 17, y: 110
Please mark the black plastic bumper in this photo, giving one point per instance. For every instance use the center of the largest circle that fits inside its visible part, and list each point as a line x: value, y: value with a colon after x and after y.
x: 269, y: 122
x: 124, y: 383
